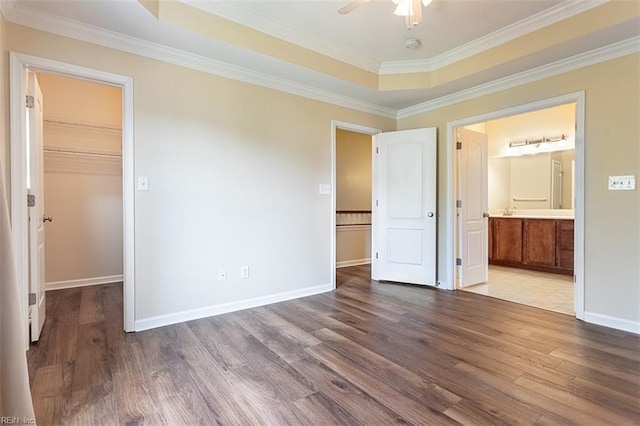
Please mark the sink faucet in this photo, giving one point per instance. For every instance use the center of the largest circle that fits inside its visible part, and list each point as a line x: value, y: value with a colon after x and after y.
x: 507, y: 211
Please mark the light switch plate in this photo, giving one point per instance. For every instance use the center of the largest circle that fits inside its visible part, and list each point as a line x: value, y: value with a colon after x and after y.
x: 325, y: 189
x: 622, y: 183
x: 143, y: 183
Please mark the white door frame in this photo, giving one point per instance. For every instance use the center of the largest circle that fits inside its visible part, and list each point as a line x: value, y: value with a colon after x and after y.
x: 579, y: 99
x: 18, y: 63
x: 335, y: 125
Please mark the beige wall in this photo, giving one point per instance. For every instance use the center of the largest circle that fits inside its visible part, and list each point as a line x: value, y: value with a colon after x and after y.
x: 234, y: 171
x: 612, y: 247
x: 233, y: 174
x: 353, y: 245
x: 83, y: 194
x: 353, y: 170
x: 548, y: 122
x: 353, y: 192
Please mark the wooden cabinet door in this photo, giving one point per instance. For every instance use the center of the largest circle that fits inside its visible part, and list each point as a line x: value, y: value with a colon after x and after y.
x: 565, y: 244
x: 540, y: 242
x: 507, y: 239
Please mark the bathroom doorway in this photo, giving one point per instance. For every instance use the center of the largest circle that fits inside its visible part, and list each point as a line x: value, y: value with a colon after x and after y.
x: 529, y: 214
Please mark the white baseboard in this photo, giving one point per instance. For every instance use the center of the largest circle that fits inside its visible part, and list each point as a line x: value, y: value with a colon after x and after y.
x: 612, y: 322
x: 59, y: 285
x: 209, y: 311
x: 355, y: 262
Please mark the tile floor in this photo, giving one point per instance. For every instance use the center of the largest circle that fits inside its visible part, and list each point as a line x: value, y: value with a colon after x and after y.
x: 553, y: 292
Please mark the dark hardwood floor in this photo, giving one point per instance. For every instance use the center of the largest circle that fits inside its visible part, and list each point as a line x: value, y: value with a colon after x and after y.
x: 368, y: 353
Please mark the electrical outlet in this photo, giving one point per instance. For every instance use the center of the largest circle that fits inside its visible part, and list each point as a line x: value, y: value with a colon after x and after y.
x: 143, y: 183
x: 244, y: 271
x: 222, y: 274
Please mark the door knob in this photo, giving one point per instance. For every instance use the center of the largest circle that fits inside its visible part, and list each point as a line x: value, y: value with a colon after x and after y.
x: 485, y: 214
x: 47, y: 219
x: 430, y: 214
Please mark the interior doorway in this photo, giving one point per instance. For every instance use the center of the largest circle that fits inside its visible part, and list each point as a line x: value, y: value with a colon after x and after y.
x: 82, y: 190
x: 352, y: 162
x: 353, y: 199
x: 19, y: 66
x: 529, y: 215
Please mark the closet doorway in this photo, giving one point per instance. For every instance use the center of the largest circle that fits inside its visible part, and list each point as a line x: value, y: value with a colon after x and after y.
x: 83, y: 194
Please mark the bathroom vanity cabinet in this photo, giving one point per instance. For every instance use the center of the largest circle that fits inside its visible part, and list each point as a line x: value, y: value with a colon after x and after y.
x: 532, y: 243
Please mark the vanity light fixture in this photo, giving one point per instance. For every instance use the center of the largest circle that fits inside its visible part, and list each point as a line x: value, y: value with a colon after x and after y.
x: 538, y: 146
x: 515, y: 144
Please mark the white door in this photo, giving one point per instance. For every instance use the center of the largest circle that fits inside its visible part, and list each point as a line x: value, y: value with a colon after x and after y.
x: 473, y: 213
x: 406, y: 210
x: 36, y: 213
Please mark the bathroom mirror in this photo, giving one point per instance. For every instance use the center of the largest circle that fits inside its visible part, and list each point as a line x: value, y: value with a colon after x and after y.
x: 532, y: 182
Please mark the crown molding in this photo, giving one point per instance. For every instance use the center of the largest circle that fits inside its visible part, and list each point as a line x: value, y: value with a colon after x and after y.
x: 23, y: 15
x: 525, y: 26
x: 596, y: 56
x: 274, y: 28
x: 6, y: 6
x: 30, y: 17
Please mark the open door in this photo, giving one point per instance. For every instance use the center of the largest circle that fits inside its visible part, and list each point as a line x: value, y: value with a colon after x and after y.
x: 473, y: 211
x: 36, y: 206
x: 406, y: 206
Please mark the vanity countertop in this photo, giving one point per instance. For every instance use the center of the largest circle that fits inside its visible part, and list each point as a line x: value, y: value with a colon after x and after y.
x: 534, y: 214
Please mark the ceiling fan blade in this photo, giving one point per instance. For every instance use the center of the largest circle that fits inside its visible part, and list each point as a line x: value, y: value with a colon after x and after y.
x: 351, y: 6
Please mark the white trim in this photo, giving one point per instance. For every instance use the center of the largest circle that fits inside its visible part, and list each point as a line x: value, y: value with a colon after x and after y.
x: 525, y: 26
x: 84, y: 282
x: 44, y: 21
x: 18, y: 63
x: 612, y: 322
x: 579, y: 99
x: 335, y: 125
x: 224, y: 308
x: 24, y: 15
x: 596, y: 56
x: 355, y: 262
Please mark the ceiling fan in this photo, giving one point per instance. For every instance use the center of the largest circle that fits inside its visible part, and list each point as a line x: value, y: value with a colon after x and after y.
x: 410, y: 9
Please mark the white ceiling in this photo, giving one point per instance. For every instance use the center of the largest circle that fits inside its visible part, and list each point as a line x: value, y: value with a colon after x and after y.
x: 370, y: 37
x: 371, y: 33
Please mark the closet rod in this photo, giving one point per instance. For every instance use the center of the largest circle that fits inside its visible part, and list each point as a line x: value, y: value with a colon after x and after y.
x: 78, y: 123
x: 84, y: 153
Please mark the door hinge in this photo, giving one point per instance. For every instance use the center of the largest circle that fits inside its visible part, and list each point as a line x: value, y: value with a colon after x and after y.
x: 458, y: 203
x: 377, y: 150
x: 458, y: 145
x: 32, y: 299
x: 31, y: 200
x: 376, y: 255
x: 30, y: 101
x: 376, y: 203
x: 458, y: 261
